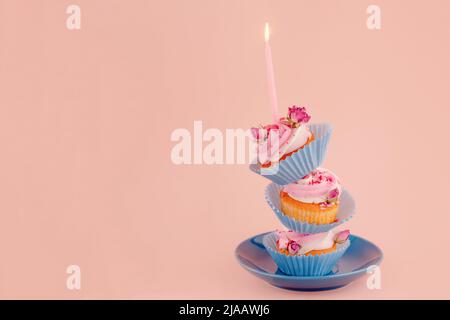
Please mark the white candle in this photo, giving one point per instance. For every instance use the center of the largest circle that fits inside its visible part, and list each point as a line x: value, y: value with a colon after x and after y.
x: 270, y: 76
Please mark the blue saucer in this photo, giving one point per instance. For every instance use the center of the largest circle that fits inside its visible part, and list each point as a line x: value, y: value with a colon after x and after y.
x: 361, y: 254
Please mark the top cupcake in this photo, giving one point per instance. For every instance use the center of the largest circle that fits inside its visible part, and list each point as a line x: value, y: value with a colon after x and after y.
x: 279, y: 140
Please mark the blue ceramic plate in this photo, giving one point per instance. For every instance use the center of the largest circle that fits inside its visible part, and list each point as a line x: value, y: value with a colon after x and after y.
x: 361, y: 254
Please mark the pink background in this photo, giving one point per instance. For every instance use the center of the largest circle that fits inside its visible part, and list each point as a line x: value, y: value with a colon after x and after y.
x: 85, y: 124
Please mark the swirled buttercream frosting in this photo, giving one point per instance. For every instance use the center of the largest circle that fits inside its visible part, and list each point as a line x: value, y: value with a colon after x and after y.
x: 286, y: 136
x: 298, y: 244
x: 321, y: 186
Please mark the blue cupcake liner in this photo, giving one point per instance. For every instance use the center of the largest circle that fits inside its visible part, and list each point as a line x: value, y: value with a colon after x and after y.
x: 304, y: 266
x: 345, y: 212
x: 302, y: 162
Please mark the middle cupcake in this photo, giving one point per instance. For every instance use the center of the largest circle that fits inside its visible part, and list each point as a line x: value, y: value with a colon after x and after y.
x: 313, y: 199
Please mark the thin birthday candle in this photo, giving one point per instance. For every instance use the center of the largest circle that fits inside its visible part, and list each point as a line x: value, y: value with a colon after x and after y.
x: 270, y: 76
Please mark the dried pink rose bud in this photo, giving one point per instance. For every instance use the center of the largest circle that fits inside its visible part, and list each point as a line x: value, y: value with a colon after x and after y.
x: 293, y: 247
x: 333, y: 194
x: 342, y: 236
x: 298, y: 114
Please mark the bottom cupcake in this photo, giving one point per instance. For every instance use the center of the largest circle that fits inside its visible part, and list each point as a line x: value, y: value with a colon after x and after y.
x: 299, y: 254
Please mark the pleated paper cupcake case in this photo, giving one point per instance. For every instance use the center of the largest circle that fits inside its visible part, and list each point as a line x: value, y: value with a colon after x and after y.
x: 306, y: 266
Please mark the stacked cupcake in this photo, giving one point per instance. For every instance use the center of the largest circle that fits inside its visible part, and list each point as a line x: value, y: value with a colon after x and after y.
x: 308, y: 200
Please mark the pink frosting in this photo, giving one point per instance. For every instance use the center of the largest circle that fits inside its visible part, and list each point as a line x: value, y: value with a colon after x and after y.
x: 285, y: 136
x: 280, y: 140
x: 319, y: 186
x: 298, y: 243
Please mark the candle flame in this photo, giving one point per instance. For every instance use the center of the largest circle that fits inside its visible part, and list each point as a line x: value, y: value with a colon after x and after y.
x: 266, y: 32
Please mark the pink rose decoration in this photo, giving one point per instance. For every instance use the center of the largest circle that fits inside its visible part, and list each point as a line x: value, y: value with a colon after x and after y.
x: 293, y: 247
x: 298, y: 114
x: 342, y: 236
x: 333, y: 193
